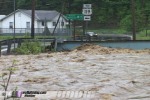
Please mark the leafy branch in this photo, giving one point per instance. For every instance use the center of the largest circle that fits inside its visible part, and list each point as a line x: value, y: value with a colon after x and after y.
x: 5, y: 84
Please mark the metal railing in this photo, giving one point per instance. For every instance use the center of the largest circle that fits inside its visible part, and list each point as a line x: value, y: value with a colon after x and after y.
x: 37, y: 30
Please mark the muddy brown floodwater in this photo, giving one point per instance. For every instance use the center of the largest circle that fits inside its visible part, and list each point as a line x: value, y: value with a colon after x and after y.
x: 115, y: 74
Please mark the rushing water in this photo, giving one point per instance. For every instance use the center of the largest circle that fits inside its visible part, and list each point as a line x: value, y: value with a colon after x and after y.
x: 114, y: 76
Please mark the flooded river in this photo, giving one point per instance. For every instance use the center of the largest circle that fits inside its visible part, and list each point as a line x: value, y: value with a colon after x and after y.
x: 114, y: 74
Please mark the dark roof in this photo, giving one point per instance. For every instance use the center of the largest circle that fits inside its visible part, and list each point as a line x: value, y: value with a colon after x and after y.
x: 42, y: 14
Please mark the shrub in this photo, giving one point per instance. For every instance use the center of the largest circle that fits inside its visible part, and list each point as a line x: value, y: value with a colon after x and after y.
x: 29, y: 48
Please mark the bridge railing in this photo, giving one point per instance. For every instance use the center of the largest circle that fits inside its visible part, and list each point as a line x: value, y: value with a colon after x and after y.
x: 8, y: 43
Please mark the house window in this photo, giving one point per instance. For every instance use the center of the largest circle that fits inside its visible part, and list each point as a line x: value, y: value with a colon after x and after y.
x: 43, y: 24
x: 54, y: 23
x: 62, y: 23
x: 27, y: 24
x: 10, y: 24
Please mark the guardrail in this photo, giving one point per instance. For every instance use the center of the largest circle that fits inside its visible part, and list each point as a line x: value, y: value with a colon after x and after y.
x: 126, y: 44
x: 6, y: 31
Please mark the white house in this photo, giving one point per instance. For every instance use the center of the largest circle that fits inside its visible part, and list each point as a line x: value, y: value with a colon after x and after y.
x: 23, y: 21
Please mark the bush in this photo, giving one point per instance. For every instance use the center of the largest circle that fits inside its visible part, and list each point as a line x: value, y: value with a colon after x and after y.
x: 29, y: 48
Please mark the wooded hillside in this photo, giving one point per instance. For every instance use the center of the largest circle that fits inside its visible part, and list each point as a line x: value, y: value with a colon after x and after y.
x: 106, y: 13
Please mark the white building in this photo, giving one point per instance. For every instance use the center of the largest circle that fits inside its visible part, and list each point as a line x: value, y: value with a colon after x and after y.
x: 23, y: 21
x: 2, y: 16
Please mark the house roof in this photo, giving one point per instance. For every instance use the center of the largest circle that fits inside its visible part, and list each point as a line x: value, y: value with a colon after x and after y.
x: 42, y: 14
x: 2, y: 16
x: 39, y: 14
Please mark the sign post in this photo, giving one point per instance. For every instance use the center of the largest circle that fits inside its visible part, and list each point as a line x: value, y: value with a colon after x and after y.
x: 85, y: 17
x: 74, y: 17
x: 87, y: 12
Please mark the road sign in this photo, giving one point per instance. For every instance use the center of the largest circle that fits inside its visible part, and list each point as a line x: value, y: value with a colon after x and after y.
x: 75, y: 16
x: 87, y: 11
x: 87, y: 6
x: 87, y: 18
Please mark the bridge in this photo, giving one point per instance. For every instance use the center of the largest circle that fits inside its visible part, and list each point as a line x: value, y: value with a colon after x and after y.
x: 60, y: 45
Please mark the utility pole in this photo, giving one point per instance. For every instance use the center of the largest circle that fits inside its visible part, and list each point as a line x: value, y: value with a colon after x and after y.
x: 33, y: 17
x: 58, y: 20
x: 14, y: 23
x: 83, y: 23
x: 133, y: 19
x: 69, y: 12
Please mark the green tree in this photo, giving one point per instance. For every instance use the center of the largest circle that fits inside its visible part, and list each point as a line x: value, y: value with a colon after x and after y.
x: 106, y: 13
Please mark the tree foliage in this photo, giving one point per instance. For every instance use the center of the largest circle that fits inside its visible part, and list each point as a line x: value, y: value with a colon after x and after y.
x: 106, y: 13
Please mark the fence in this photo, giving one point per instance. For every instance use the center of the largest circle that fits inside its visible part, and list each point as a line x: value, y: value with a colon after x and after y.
x: 38, y: 31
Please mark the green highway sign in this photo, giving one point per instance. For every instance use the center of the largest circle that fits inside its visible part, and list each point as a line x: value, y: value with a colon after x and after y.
x: 75, y: 16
